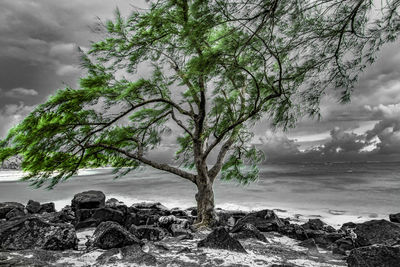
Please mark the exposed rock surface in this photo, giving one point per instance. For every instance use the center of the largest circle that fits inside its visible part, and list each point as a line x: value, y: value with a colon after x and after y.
x: 249, y: 231
x: 220, y: 239
x: 112, y: 235
x: 88, y: 200
x: 377, y: 232
x: 33, y: 206
x: 34, y: 232
x: 374, y: 256
x: 6, y: 207
x: 148, y: 232
x: 395, y: 218
x: 264, y: 220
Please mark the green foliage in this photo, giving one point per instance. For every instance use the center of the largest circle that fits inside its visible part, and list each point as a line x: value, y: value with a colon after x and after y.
x: 213, y: 69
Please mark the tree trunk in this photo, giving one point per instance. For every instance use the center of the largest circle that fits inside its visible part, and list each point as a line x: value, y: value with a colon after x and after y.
x: 206, y: 215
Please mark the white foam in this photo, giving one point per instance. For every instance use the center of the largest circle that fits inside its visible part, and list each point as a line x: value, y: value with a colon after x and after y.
x: 9, y: 176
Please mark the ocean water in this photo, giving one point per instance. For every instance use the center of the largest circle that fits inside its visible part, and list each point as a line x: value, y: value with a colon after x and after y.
x: 336, y: 192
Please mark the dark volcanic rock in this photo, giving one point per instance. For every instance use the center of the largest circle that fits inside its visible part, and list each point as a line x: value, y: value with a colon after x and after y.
x: 317, y: 224
x: 47, y: 207
x: 294, y: 231
x: 6, y: 207
x: 15, y: 213
x: 112, y: 235
x: 108, y: 214
x: 88, y: 200
x: 92, y: 218
x: 310, y: 244
x: 249, y: 231
x: 148, y: 232
x: 128, y: 256
x: 32, y: 232
x: 33, y: 206
x: 117, y: 205
x: 374, y: 256
x: 395, y: 217
x: 264, y: 220
x: 220, y: 239
x: 151, y: 207
x: 377, y: 232
x: 342, y: 245
x: 229, y: 218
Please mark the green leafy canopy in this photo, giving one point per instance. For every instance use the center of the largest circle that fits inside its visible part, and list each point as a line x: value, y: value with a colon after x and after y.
x: 212, y: 70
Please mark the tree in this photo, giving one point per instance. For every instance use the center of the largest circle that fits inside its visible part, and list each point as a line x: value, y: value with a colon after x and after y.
x: 216, y: 67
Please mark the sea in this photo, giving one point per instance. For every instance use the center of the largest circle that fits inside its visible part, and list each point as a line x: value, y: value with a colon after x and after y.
x: 335, y: 192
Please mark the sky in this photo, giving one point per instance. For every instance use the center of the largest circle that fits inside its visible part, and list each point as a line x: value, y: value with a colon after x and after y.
x: 39, y: 43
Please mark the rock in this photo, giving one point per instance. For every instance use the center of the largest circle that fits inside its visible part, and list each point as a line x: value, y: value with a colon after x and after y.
x: 148, y: 232
x: 376, y: 232
x: 180, y: 230
x: 108, y: 214
x: 112, y: 235
x: 66, y: 215
x: 317, y: 224
x: 326, y: 240
x: 150, y: 206
x: 395, y: 218
x: 6, y: 207
x: 220, y: 239
x: 47, y: 207
x: 114, y: 203
x: 310, y: 244
x: 294, y: 231
x: 88, y: 200
x: 32, y: 232
x: 179, y: 213
x: 127, y: 256
x: 264, y: 220
x: 33, y: 206
x: 343, y: 245
x: 374, y: 256
x: 15, y: 213
x: 249, y: 231
x: 229, y: 218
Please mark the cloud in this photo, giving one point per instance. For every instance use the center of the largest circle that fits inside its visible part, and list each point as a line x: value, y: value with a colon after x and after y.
x: 11, y: 115
x: 19, y: 91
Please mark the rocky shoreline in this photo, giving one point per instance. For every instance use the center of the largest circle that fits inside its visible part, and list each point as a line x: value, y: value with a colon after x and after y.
x: 93, y: 231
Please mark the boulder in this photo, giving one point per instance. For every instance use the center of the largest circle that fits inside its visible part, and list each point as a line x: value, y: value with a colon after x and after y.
x: 343, y: 245
x: 249, y: 231
x: 114, y: 203
x: 148, y: 232
x: 317, y: 224
x: 108, y: 214
x: 151, y: 207
x: 376, y: 232
x: 6, y: 207
x: 47, y: 207
x: 33, y: 206
x: 179, y: 213
x: 229, y: 218
x: 112, y: 235
x: 395, y: 218
x: 294, y: 231
x: 220, y: 239
x: 264, y: 220
x: 88, y: 200
x: 33, y: 232
x: 374, y: 256
x: 15, y: 213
